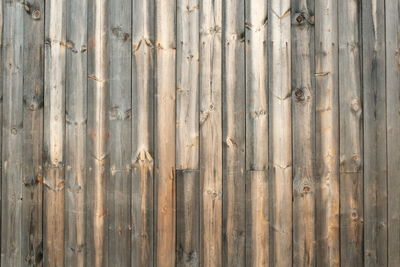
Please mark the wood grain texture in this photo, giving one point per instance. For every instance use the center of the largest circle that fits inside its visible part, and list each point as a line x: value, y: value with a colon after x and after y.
x: 187, y: 83
x: 303, y: 97
x: 351, y: 136
x: 12, y: 136
x: 327, y: 134
x: 98, y: 134
x: 234, y: 134
x: 392, y: 42
x: 120, y: 110
x: 32, y: 247
x: 165, y: 122
x: 211, y: 132
x: 76, y: 121
x: 375, y: 146
x: 279, y: 64
x: 257, y: 181
x: 143, y: 89
x: 54, y: 132
x: 187, y: 216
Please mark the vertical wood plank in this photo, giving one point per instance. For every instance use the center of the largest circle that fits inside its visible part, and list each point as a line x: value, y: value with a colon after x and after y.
x: 54, y: 132
x: 76, y: 112
x: 165, y: 132
x: 33, y: 134
x: 257, y: 195
x: 211, y: 132
x: 257, y: 220
x: 303, y: 95
x: 327, y: 134
x: 375, y: 157
x: 392, y: 8
x: 98, y: 161
x: 143, y: 33
x: 12, y: 135
x: 119, y: 188
x: 187, y: 214
x: 233, y: 134
x: 281, y: 131
x: 187, y: 91
x: 351, y: 135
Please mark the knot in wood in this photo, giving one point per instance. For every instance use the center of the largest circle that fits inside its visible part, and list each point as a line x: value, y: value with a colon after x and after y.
x: 36, y: 14
x: 299, y: 94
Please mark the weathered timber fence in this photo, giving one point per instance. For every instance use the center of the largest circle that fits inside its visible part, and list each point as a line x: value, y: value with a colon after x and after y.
x: 200, y: 133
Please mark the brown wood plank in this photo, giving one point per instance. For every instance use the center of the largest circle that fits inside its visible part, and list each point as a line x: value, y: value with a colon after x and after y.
x: 351, y: 135
x: 76, y: 105
x: 98, y: 161
x: 303, y: 95
x: 54, y: 132
x: 211, y: 132
x: 120, y: 109
x: 279, y: 66
x: 187, y: 218
x: 143, y: 33
x: 234, y: 134
x: 165, y: 132
x: 32, y: 250
x: 327, y: 134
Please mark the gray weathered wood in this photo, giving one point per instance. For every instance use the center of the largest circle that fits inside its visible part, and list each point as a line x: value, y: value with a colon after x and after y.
x: 76, y: 118
x: 279, y: 65
x: 143, y: 33
x: 327, y: 134
x: 303, y: 97
x: 234, y: 134
x: 12, y: 135
x: 98, y: 162
x: 165, y: 132
x: 187, y: 218
x: 33, y: 134
x: 351, y: 135
x: 211, y: 133
x: 257, y: 196
x: 375, y: 158
x: 120, y: 109
x: 393, y: 127
x: 187, y: 83
x: 54, y: 132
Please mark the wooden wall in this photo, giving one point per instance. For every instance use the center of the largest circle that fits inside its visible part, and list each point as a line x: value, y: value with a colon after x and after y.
x: 200, y: 133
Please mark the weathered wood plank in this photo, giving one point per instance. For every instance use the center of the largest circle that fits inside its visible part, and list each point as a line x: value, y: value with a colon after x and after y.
x: 303, y: 95
x: 12, y: 135
x: 32, y: 252
x: 375, y: 157
x: 211, y: 133
x: 119, y: 188
x: 165, y: 132
x: 98, y: 162
x: 257, y: 218
x: 392, y: 41
x: 257, y: 195
x: 281, y: 130
x: 143, y: 33
x: 327, y: 134
x: 54, y: 132
x: 187, y: 214
x: 234, y: 134
x: 187, y: 82
x: 76, y: 100
x: 351, y: 135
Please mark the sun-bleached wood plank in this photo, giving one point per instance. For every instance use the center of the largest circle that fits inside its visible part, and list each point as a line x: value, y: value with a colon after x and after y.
x: 54, y: 132
x: 327, y: 134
